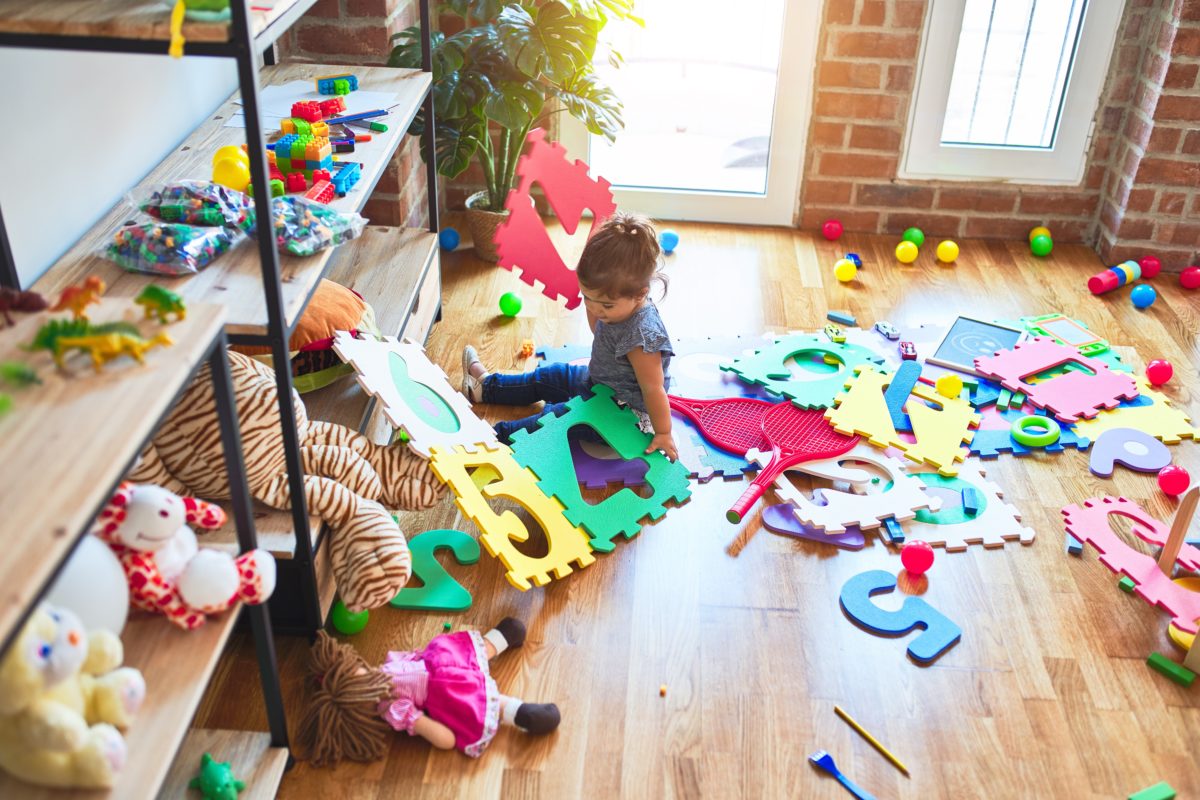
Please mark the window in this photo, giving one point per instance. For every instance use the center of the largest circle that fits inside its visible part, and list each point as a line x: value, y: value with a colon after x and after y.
x: 1008, y: 89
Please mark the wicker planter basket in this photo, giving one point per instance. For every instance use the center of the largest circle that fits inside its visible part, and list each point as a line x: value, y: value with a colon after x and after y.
x: 483, y: 226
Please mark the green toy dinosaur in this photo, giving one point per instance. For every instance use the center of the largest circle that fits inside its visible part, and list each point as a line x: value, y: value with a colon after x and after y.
x: 48, y: 335
x: 17, y: 374
x: 216, y: 781
x: 160, y: 302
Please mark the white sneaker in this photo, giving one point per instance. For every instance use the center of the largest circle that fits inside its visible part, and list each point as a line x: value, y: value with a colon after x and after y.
x: 472, y: 387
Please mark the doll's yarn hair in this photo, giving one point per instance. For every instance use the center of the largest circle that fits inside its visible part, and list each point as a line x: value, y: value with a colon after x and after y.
x: 342, y: 719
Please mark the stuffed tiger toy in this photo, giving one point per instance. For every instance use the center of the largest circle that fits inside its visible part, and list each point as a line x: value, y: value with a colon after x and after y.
x: 348, y: 480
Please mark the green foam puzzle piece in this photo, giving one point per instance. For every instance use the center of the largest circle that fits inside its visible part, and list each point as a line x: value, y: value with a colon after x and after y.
x: 1159, y: 791
x: 440, y: 592
x: 768, y: 368
x: 547, y: 452
x: 1176, y: 672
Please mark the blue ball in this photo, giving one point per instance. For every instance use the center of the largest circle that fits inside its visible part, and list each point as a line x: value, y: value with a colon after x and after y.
x: 448, y: 238
x: 1143, y: 296
x: 668, y: 240
x: 855, y: 258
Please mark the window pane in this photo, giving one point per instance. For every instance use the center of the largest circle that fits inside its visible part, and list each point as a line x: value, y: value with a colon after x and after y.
x: 698, y: 84
x: 1010, y: 71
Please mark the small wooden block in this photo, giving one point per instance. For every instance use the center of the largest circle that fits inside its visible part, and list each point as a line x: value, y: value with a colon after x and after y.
x: 1127, y: 585
x: 1005, y: 398
x: 970, y: 501
x: 1018, y: 400
x: 1074, y: 546
x: 841, y: 317
x: 895, y: 533
x: 1159, y: 791
x: 1176, y: 672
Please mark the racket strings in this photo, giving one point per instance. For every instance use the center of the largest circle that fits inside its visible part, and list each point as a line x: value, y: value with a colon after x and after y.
x: 802, y: 430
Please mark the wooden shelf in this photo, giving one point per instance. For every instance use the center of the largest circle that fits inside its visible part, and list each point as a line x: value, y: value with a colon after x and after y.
x: 176, y: 665
x: 67, y: 441
x: 138, y: 19
x: 235, y: 278
x: 250, y: 756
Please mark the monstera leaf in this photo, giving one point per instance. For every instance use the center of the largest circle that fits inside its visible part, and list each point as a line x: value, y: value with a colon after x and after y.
x: 557, y: 43
x: 514, y: 105
x: 593, y: 104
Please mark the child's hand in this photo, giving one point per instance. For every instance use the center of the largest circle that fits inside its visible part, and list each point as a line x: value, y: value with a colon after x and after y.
x: 664, y: 442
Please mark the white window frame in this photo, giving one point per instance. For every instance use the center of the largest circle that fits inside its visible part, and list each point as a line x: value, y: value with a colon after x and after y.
x: 925, y: 156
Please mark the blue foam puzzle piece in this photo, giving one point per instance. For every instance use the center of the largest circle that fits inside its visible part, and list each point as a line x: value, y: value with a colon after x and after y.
x: 939, y: 632
x: 991, y: 443
x: 897, y: 392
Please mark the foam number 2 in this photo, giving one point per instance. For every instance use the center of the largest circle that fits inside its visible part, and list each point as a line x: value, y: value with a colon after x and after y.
x: 440, y: 592
x: 939, y: 634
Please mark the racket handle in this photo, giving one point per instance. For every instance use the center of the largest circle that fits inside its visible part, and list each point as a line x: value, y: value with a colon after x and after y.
x: 749, y: 497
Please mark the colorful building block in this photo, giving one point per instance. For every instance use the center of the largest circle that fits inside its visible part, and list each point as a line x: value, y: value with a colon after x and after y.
x: 321, y: 191
x: 343, y: 83
x: 345, y: 177
x: 308, y: 110
x: 971, y: 501
x: 841, y: 317
x: 1074, y: 546
x: 296, y: 182
x: 1126, y: 584
x: 1176, y: 672
x: 1159, y: 791
x: 332, y: 107
x: 895, y: 533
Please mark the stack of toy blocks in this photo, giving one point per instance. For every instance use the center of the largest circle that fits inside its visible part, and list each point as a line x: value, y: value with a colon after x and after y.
x: 337, y: 84
x: 296, y: 153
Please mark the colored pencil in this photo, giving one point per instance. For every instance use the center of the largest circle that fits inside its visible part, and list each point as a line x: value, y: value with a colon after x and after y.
x: 361, y: 115
x: 873, y: 741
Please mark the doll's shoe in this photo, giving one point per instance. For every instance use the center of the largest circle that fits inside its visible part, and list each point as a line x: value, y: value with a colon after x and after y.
x: 513, y: 631
x: 472, y: 386
x: 537, y: 717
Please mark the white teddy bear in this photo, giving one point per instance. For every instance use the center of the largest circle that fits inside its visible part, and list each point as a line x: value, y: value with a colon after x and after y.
x: 146, y: 527
x: 62, y: 698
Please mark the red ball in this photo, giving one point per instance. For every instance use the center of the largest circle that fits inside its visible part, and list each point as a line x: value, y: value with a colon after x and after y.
x: 1173, y: 480
x: 916, y: 556
x: 1159, y: 371
x: 1190, y: 278
x: 1150, y: 265
x: 831, y: 229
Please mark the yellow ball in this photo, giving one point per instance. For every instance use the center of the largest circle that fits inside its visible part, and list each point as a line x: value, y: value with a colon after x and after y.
x: 1040, y: 230
x: 947, y: 251
x: 231, y: 151
x: 844, y: 270
x: 232, y: 173
x: 949, y: 386
x: 906, y: 252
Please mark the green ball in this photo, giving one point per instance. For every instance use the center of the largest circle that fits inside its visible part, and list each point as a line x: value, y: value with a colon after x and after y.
x: 346, y: 621
x: 1041, y: 245
x: 510, y: 304
x: 914, y: 235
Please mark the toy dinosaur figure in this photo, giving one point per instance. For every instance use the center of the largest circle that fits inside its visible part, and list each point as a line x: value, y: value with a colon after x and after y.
x: 77, y: 298
x: 160, y: 302
x: 216, y: 781
x: 18, y: 374
x: 55, y: 329
x: 104, y: 347
x: 6, y: 403
x: 16, y: 300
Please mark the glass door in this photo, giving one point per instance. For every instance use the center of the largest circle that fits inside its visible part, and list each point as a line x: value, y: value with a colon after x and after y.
x: 717, y: 98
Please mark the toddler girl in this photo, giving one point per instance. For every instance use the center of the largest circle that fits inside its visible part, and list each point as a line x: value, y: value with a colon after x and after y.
x: 631, y: 349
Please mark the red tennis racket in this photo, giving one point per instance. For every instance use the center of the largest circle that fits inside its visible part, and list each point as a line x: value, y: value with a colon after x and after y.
x: 731, y: 423
x: 795, y: 436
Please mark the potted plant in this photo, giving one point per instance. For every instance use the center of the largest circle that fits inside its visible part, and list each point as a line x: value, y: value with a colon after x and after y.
x: 510, y: 66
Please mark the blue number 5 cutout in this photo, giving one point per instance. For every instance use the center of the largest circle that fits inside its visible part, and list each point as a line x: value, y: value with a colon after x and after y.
x: 939, y: 632
x: 440, y: 592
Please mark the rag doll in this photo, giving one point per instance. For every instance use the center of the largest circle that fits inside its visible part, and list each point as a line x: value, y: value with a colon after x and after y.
x: 443, y: 693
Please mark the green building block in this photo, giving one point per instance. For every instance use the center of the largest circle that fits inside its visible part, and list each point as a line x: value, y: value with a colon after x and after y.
x: 1127, y: 585
x: 1176, y: 672
x: 769, y: 369
x: 547, y: 452
x: 1159, y: 791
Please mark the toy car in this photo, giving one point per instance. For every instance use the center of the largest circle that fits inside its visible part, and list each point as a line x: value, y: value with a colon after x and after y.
x: 887, y: 330
x: 908, y: 351
x: 835, y: 333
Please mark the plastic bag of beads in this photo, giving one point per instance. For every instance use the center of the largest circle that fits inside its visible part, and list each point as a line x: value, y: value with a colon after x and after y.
x: 305, y: 227
x: 199, y: 203
x: 167, y: 248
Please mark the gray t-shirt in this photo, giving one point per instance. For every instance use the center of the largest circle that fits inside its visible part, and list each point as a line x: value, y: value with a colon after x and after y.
x: 611, y: 345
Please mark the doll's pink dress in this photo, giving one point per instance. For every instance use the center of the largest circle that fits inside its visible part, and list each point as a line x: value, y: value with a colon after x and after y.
x: 448, y: 680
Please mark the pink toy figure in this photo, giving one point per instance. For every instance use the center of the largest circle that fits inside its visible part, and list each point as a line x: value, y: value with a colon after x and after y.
x: 443, y: 693
x: 916, y: 556
x: 147, y: 528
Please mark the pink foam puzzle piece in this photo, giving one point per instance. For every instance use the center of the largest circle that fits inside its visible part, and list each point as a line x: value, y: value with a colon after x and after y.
x: 1069, y: 396
x: 1089, y: 524
x: 522, y: 242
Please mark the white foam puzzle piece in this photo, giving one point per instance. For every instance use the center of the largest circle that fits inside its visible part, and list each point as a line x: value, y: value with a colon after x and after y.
x: 996, y: 522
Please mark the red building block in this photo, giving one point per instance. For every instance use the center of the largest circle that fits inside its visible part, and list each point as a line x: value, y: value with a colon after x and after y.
x: 308, y: 110
x: 319, y: 175
x: 296, y: 182
x: 332, y: 107
x: 321, y: 191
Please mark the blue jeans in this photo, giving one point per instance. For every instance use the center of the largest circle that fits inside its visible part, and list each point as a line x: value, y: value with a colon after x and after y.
x: 554, y: 383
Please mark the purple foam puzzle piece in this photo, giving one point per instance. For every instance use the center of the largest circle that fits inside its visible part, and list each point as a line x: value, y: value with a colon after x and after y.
x: 597, y: 473
x: 1130, y: 448
x: 781, y: 518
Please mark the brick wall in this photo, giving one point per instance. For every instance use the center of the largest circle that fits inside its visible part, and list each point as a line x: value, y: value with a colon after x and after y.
x: 358, y: 32
x: 1151, y: 197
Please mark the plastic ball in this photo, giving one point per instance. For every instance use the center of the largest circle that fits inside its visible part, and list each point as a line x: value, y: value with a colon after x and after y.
x: 831, y: 229
x: 844, y: 270
x: 232, y: 173
x: 947, y: 251
x: 1041, y: 245
x: 949, y: 386
x: 449, y: 238
x: 916, y: 556
x: 1143, y: 296
x: 1150, y: 265
x: 1159, y: 371
x: 856, y: 258
x: 510, y: 304
x: 1040, y: 230
x: 231, y: 151
x: 668, y: 240
x: 1190, y: 278
x: 346, y: 621
x: 1174, y: 480
x: 906, y: 252
x: 914, y: 235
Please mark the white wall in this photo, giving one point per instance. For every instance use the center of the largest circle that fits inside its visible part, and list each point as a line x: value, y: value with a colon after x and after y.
x: 80, y: 129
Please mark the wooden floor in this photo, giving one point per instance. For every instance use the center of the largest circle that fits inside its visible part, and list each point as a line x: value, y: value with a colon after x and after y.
x: 1047, y: 695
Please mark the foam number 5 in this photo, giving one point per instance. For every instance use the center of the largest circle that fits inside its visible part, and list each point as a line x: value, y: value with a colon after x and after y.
x: 440, y: 592
x: 939, y: 635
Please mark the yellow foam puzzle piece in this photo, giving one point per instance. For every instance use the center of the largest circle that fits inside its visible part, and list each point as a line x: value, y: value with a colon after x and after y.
x: 1160, y: 420
x: 499, y: 533
x: 861, y: 411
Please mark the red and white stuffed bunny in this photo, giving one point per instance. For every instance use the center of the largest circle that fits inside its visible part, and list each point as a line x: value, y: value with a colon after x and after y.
x: 146, y: 527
